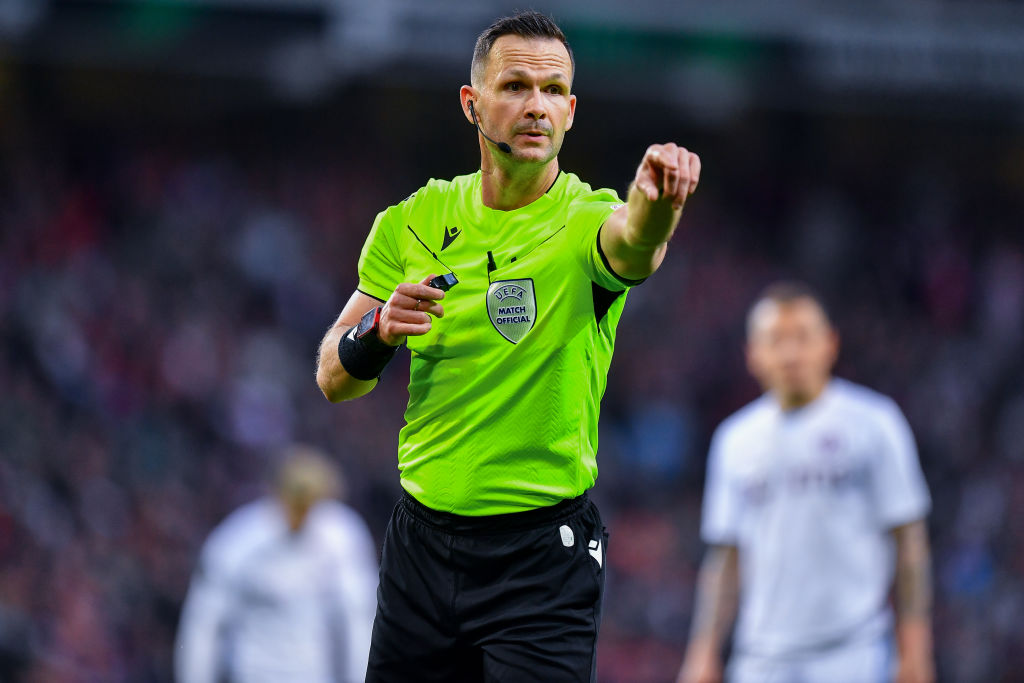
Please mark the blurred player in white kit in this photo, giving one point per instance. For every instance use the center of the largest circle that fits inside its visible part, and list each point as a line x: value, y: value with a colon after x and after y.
x: 285, y: 589
x: 814, y: 504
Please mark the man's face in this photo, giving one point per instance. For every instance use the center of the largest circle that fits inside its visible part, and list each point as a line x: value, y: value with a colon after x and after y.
x: 524, y: 96
x: 791, y: 348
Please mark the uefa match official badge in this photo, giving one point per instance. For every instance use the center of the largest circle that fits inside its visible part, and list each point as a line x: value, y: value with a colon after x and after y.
x: 512, y: 307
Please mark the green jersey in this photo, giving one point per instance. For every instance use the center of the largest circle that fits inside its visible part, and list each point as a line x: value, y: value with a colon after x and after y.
x: 505, y: 389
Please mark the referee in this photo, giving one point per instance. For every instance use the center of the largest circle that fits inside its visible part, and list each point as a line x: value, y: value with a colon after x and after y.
x: 506, y: 285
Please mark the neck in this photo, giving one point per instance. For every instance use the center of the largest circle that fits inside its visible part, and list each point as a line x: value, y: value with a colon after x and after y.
x: 508, y: 186
x: 794, y: 401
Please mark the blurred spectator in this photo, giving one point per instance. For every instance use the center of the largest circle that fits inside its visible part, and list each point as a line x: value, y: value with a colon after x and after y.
x: 285, y: 589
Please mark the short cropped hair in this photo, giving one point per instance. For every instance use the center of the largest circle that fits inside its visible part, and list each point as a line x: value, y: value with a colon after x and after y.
x: 785, y: 292
x: 528, y: 24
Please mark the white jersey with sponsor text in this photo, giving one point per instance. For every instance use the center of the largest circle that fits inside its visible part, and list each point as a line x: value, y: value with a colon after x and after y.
x: 808, y: 497
x: 267, y: 605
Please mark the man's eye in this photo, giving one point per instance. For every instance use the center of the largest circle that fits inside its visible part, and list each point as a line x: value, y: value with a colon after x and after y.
x: 555, y: 89
x: 514, y: 87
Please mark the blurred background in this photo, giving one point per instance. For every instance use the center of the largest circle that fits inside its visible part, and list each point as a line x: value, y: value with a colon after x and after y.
x: 185, y: 186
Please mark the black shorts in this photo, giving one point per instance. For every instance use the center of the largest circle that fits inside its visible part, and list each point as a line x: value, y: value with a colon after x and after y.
x: 513, y: 597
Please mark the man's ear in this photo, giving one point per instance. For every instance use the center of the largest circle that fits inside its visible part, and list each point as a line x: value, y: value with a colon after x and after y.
x: 572, y: 112
x: 467, y: 93
x: 752, y: 366
x: 834, y: 343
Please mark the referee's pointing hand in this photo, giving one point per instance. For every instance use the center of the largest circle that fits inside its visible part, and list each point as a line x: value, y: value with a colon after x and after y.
x: 408, y: 310
x: 668, y: 172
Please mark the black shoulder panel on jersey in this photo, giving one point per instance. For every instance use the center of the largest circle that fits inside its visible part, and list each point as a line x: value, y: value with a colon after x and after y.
x: 608, y: 265
x: 603, y: 300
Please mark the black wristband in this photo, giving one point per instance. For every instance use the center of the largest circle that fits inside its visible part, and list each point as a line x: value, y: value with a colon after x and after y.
x: 364, y: 357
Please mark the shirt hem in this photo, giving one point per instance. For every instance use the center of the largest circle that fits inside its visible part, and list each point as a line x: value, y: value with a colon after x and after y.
x: 372, y: 296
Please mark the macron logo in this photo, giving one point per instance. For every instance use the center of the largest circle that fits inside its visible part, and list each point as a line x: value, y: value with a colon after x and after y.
x: 449, y: 236
x: 594, y: 548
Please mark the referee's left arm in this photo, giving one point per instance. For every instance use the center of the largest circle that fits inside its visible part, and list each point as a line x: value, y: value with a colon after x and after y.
x: 635, y: 237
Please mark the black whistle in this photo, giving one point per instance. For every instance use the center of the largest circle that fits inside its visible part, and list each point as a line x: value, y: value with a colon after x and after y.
x: 444, y: 282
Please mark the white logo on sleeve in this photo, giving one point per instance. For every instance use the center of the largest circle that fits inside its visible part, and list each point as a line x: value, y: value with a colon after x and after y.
x: 594, y: 548
x: 567, y: 536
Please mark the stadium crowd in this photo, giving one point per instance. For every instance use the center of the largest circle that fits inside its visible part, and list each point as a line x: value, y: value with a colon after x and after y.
x: 161, y: 297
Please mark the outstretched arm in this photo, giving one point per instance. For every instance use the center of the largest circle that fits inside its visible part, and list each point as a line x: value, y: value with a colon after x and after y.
x: 406, y: 312
x: 635, y: 237
x: 913, y: 603
x: 717, y: 596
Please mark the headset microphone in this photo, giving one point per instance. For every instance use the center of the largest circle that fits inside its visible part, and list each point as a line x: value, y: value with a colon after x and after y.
x: 503, y: 146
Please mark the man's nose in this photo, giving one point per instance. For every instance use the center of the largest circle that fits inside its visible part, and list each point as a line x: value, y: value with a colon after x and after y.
x: 789, y: 351
x: 535, y: 105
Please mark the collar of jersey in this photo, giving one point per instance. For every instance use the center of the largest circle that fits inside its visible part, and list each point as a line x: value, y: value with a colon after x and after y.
x: 552, y: 194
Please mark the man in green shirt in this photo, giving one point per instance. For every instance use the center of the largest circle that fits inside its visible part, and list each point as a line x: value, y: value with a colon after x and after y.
x: 493, y: 563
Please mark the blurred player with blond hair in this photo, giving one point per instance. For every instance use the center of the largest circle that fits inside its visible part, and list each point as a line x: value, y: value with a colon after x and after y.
x: 814, y: 503
x: 285, y: 587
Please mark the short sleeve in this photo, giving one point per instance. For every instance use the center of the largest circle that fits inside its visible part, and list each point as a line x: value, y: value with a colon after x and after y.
x: 586, y: 216
x: 900, y: 491
x: 380, y: 265
x: 721, y: 509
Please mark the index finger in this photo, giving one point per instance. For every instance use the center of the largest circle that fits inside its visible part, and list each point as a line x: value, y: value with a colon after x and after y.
x: 663, y: 155
x: 421, y: 290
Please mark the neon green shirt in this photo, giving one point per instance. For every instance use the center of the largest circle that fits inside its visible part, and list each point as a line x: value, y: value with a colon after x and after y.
x: 505, y: 389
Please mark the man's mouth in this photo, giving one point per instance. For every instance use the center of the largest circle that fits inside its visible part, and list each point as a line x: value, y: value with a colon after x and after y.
x: 540, y: 131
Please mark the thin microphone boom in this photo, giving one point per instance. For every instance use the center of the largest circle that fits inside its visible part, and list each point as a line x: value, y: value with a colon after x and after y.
x: 503, y: 146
